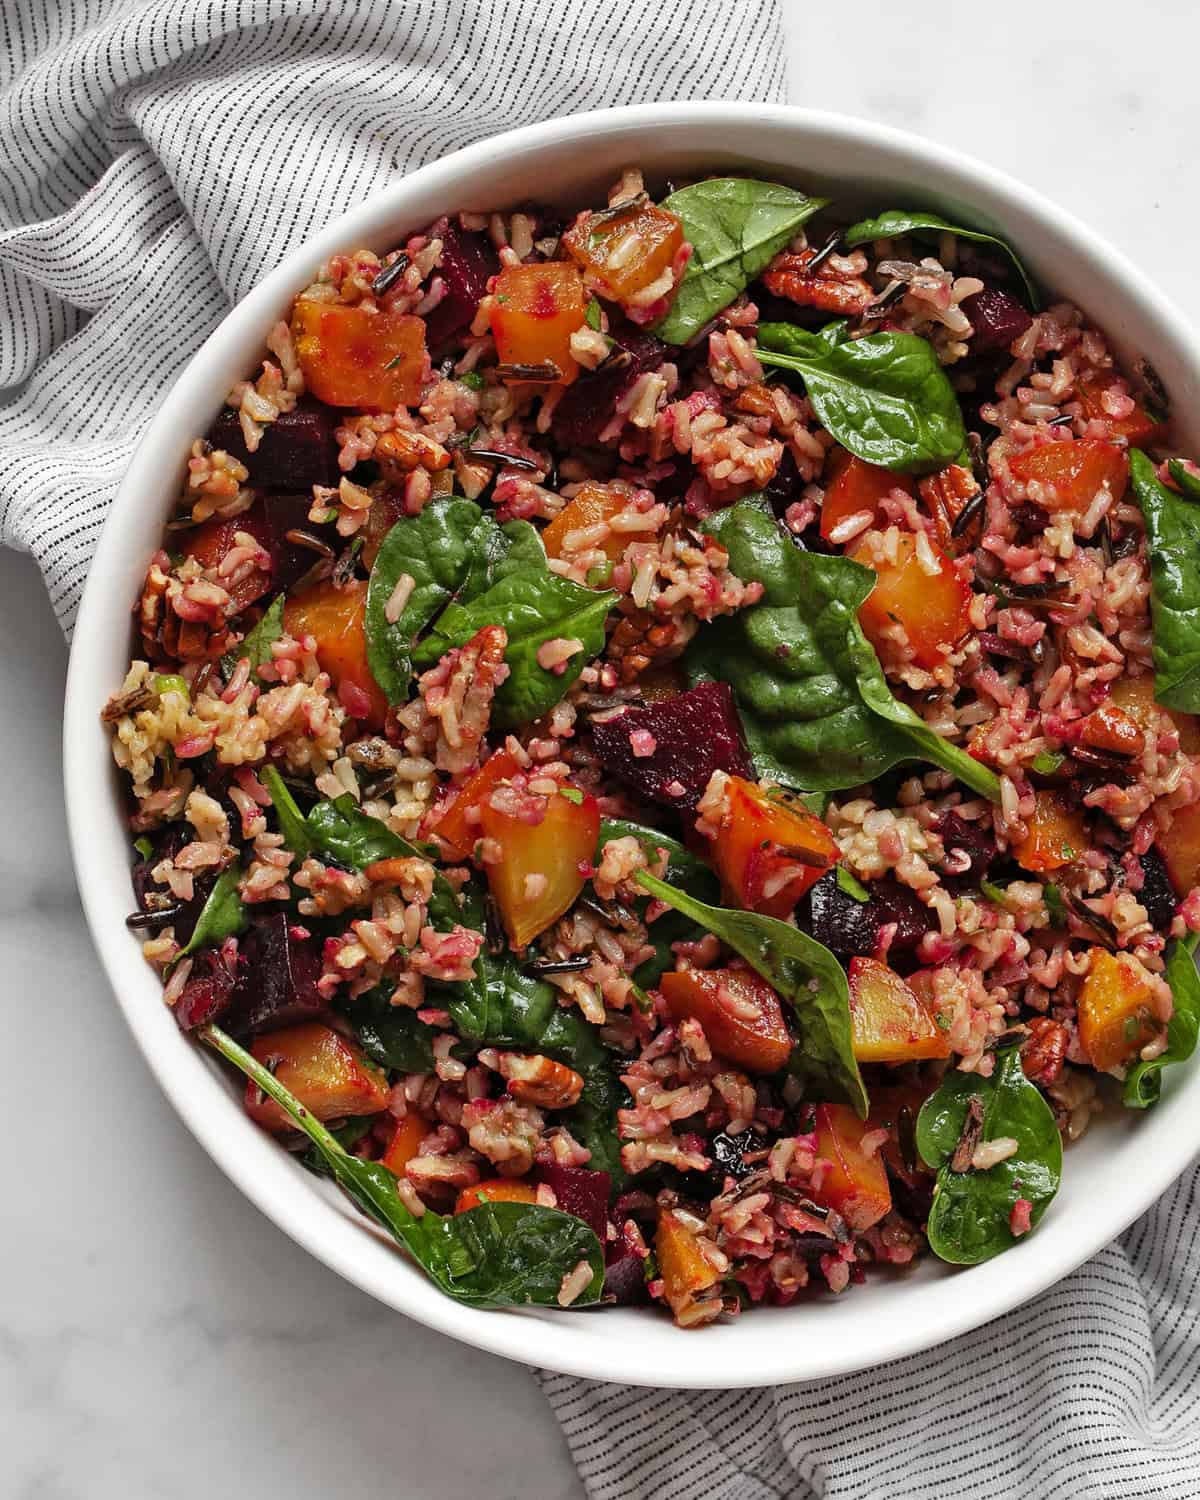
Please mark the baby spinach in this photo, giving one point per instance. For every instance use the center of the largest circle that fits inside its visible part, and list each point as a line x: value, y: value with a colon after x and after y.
x: 292, y: 823
x: 885, y: 397
x: 449, y: 549
x: 1173, y: 544
x: 970, y: 1217
x: 223, y: 915
x: 257, y: 642
x: 894, y: 222
x: 393, y: 1035
x: 736, y: 226
x: 1143, y: 1082
x: 496, y: 1255
x: 534, y: 606
x: 341, y: 830
x: 814, y: 703
x: 1188, y: 482
x: 684, y: 870
x: 805, y: 974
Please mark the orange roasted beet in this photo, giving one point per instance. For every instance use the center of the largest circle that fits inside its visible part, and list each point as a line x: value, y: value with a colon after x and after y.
x: 535, y: 311
x: 334, y: 617
x: 891, y: 1023
x: 459, y: 826
x: 739, y: 1011
x: 854, y: 1185
x: 209, y: 543
x: 542, y: 866
x: 1135, y: 697
x: 931, y: 607
x: 1111, y: 728
x: 330, y: 1076
x: 625, y: 252
x: 1116, y: 1019
x: 769, y: 849
x: 855, y: 486
x: 1069, y: 475
x: 1057, y: 835
x: 683, y: 1268
x: 1179, y: 845
x: 405, y: 1142
x: 352, y: 357
x: 496, y: 1190
x: 1138, y: 428
x: 594, y: 503
x: 894, y: 1108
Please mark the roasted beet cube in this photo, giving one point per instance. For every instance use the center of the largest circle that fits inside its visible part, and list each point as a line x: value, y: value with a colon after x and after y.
x: 295, y: 451
x: 966, y: 840
x: 666, y: 751
x: 207, y: 993
x: 1156, y: 894
x: 588, y: 405
x: 625, y: 1279
x: 290, y: 560
x: 853, y: 928
x: 469, y: 261
x: 997, y: 318
x: 581, y: 1192
x: 278, y: 968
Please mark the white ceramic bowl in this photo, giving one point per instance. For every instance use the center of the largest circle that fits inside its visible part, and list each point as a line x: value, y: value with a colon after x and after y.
x: 1110, y: 1178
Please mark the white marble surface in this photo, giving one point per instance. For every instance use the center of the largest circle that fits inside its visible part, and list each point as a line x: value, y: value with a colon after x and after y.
x: 157, y: 1336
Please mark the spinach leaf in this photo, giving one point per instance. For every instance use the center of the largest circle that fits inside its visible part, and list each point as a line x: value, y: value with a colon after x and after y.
x: 257, y: 642
x: 736, y: 226
x: 1143, y: 1082
x: 392, y: 1035
x: 1189, y: 483
x: 894, y: 222
x: 969, y: 1220
x: 684, y: 870
x: 496, y: 1255
x: 292, y: 822
x: 341, y: 830
x: 448, y: 550
x: 884, y: 397
x: 814, y: 703
x: 1173, y: 543
x: 534, y: 606
x: 805, y: 974
x: 222, y: 915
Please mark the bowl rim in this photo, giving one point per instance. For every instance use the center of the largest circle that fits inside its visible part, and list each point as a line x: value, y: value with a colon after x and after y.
x: 345, y: 1242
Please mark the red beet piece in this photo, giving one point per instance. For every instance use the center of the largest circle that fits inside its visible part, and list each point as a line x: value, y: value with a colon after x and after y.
x: 1157, y: 894
x: 625, y: 1279
x: 997, y: 318
x: 581, y: 1192
x: 961, y: 836
x: 851, y: 928
x: 695, y: 734
x: 207, y: 993
x: 289, y: 560
x: 277, y: 977
x: 587, y: 406
x: 295, y: 451
x: 468, y: 262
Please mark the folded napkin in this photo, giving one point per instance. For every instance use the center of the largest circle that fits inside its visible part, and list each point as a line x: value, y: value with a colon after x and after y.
x: 157, y: 157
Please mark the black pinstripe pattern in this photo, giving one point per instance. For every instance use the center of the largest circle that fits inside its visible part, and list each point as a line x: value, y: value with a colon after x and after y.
x: 157, y: 157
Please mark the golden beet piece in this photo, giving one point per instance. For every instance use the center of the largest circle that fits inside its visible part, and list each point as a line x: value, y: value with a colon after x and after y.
x: 1072, y: 474
x: 593, y: 504
x: 769, y: 848
x: 405, y: 1142
x: 209, y: 543
x: 334, y: 617
x: 1115, y: 1016
x: 329, y: 1075
x: 496, y: 1190
x: 352, y: 357
x: 625, y: 252
x: 891, y: 1023
x: 739, y: 1011
x: 534, y: 312
x: 459, y: 826
x: 1135, y: 697
x: 854, y: 1184
x: 1109, y: 727
x: 683, y: 1268
x: 931, y: 607
x: 542, y: 866
x: 1057, y: 835
x: 1138, y: 428
x: 1179, y: 845
x: 854, y: 486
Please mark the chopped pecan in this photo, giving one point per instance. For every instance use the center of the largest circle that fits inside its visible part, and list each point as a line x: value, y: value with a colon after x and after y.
x: 540, y: 1080
x: 831, y: 288
x: 1043, y: 1053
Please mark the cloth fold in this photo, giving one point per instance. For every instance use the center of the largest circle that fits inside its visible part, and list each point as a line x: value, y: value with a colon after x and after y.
x: 157, y: 157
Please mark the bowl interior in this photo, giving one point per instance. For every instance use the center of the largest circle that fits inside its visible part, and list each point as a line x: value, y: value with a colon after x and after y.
x: 1110, y: 1177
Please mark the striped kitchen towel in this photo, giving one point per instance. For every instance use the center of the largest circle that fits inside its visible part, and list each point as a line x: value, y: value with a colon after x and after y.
x: 156, y: 158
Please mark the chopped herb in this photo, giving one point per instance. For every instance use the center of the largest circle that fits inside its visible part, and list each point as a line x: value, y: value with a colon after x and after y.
x: 1055, y: 905
x: 599, y: 576
x: 1046, y: 762
x: 144, y: 847
x: 472, y: 379
x: 993, y: 892
x: 851, y: 886
x: 572, y: 794
x: 171, y: 683
x: 592, y: 315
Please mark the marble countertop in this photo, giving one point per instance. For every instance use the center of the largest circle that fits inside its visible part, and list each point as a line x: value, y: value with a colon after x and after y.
x: 157, y: 1335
